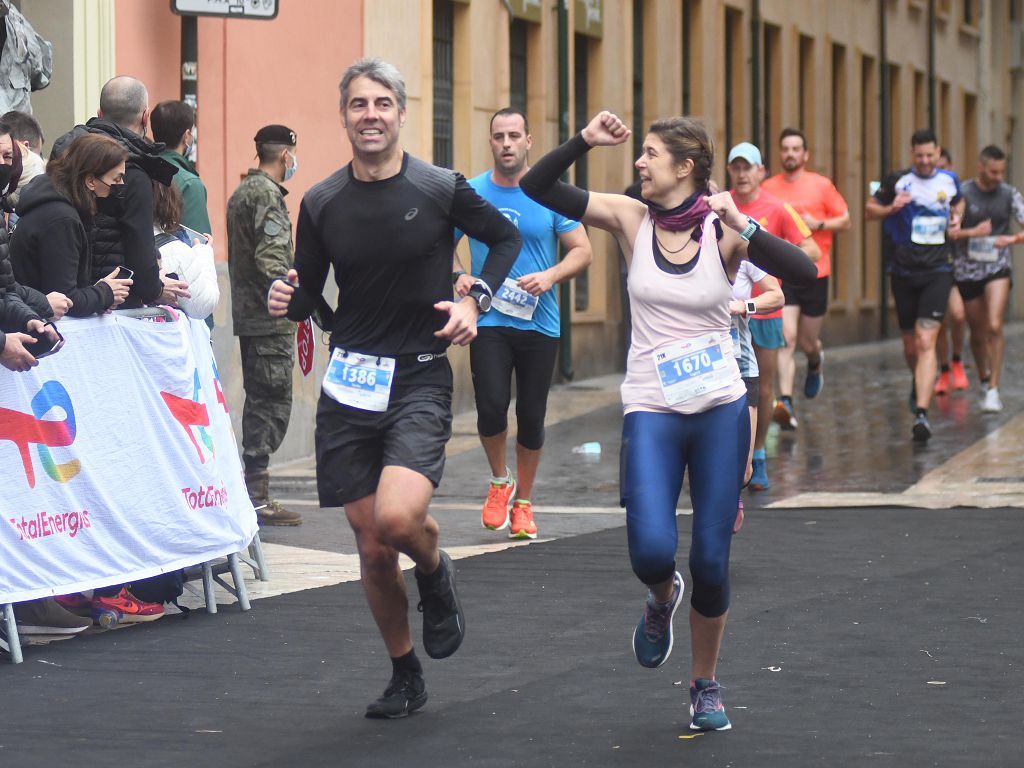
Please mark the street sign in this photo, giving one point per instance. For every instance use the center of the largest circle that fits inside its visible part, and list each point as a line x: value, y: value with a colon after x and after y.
x: 242, y: 9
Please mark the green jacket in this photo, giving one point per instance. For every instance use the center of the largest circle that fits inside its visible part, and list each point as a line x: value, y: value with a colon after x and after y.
x: 193, y: 192
x: 259, y: 250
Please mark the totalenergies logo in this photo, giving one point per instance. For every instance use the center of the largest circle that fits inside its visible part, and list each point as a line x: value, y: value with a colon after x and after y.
x: 25, y: 430
x: 193, y: 417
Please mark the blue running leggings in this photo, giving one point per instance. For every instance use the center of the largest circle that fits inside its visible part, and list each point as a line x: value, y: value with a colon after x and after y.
x: 656, y: 450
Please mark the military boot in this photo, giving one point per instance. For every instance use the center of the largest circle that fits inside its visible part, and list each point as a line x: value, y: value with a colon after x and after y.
x: 268, y: 511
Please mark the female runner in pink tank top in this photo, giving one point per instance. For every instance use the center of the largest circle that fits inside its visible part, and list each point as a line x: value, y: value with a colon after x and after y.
x: 684, y: 402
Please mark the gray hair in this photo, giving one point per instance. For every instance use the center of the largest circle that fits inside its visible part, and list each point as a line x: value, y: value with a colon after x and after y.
x: 123, y: 99
x: 380, y: 72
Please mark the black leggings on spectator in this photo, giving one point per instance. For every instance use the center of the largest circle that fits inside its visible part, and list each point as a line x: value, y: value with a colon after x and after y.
x: 493, y: 355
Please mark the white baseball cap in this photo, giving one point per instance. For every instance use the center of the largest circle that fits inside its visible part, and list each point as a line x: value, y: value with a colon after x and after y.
x: 747, y: 151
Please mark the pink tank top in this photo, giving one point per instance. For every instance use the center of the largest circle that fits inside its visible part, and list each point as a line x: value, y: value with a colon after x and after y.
x: 681, y: 357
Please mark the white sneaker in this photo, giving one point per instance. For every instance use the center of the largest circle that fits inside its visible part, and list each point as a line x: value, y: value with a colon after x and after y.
x: 991, y: 403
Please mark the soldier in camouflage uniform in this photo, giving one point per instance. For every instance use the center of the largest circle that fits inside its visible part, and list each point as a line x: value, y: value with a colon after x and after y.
x: 260, y: 249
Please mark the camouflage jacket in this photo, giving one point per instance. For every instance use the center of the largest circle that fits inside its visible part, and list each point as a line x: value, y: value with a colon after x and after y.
x: 259, y: 249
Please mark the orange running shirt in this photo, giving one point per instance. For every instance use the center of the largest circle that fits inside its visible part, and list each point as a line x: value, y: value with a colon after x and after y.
x: 778, y: 218
x: 816, y: 196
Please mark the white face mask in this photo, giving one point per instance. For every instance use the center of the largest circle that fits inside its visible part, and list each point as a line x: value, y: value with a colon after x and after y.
x: 190, y: 153
x: 291, y: 169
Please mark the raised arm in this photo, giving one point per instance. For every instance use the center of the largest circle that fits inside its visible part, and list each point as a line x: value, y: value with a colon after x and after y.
x: 615, y: 213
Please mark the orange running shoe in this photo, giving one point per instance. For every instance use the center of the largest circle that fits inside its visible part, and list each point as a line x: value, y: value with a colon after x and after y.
x: 495, y: 514
x: 130, y: 608
x: 959, y: 375
x: 523, y: 526
x: 942, y: 383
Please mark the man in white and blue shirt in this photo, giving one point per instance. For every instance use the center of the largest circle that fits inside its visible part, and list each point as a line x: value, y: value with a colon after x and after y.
x: 922, y: 207
x: 520, y: 333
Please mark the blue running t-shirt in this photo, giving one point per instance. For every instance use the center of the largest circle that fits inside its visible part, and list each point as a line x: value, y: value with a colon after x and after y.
x: 539, y: 228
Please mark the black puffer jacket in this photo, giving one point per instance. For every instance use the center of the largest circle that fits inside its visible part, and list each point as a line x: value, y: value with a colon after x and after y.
x: 127, y: 241
x: 50, y: 250
x: 35, y: 300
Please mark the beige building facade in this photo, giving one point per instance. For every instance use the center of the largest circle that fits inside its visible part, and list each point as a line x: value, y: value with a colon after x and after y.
x: 857, y: 75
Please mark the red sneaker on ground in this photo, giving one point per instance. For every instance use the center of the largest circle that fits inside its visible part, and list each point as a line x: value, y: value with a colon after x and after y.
x: 942, y: 383
x: 495, y: 513
x: 523, y: 525
x: 959, y: 375
x: 130, y: 608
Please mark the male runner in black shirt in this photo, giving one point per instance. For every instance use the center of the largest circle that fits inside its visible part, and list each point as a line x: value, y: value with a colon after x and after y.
x: 386, y: 222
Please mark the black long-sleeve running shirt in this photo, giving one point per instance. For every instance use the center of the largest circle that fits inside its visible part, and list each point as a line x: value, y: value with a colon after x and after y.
x: 390, y: 243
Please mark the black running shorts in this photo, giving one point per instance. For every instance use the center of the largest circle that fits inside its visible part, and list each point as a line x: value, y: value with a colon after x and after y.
x: 353, y: 446
x: 812, y: 300
x: 921, y: 297
x: 975, y: 289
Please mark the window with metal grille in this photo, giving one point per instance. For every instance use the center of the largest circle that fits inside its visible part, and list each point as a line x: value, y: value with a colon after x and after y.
x: 443, y: 112
x: 517, y: 49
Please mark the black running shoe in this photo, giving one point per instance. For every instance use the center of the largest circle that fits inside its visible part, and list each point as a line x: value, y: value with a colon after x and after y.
x: 444, y: 626
x: 922, y: 430
x: 405, y: 694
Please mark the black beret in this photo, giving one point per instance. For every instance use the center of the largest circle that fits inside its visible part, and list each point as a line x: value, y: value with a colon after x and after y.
x: 275, y: 134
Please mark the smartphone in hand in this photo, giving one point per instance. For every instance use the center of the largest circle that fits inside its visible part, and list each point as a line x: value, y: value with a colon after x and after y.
x: 44, y: 345
x: 193, y: 235
x: 123, y: 273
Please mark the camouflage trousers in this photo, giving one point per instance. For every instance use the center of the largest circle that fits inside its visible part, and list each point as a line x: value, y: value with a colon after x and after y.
x: 267, y: 379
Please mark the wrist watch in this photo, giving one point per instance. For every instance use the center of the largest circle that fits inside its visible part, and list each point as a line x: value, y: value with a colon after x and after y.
x: 481, y: 294
x: 456, y: 275
x: 751, y: 308
x: 750, y: 229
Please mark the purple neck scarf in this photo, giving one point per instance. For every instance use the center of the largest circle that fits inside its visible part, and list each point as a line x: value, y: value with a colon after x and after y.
x: 684, y: 216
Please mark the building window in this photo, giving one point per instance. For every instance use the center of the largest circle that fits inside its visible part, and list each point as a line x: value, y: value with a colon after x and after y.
x: 839, y: 154
x: 444, y: 35
x: 517, y: 50
x: 692, y: 39
x: 808, y: 80
x: 971, y: 147
x: 771, y: 82
x: 638, y: 77
x: 581, y: 109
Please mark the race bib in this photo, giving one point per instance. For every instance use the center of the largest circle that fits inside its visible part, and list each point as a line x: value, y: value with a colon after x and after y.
x: 514, y: 301
x: 358, y: 380
x: 928, y: 230
x: 982, y: 249
x: 687, y: 369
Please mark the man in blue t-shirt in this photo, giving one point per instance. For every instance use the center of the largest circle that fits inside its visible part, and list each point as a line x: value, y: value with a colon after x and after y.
x: 922, y: 208
x: 521, y: 332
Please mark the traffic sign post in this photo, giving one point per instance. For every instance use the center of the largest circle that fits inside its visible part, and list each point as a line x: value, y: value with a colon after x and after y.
x: 237, y: 9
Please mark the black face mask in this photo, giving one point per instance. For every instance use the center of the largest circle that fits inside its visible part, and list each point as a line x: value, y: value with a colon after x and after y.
x: 113, y: 204
x: 6, y: 171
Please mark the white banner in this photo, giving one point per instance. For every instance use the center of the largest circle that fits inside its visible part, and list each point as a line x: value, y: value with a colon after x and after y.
x: 119, y: 460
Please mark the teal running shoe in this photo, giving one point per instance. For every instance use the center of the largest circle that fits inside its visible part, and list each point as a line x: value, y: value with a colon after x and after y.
x: 706, y: 708
x: 652, y: 638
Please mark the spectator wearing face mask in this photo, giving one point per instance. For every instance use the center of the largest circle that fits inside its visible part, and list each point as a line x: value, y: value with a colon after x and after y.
x: 27, y: 134
x: 124, y: 236
x: 50, y: 248
x: 174, y: 124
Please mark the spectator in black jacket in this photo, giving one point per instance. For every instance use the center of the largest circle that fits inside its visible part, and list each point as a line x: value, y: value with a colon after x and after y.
x: 127, y: 240
x: 50, y: 248
x: 56, y: 304
x: 19, y: 329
